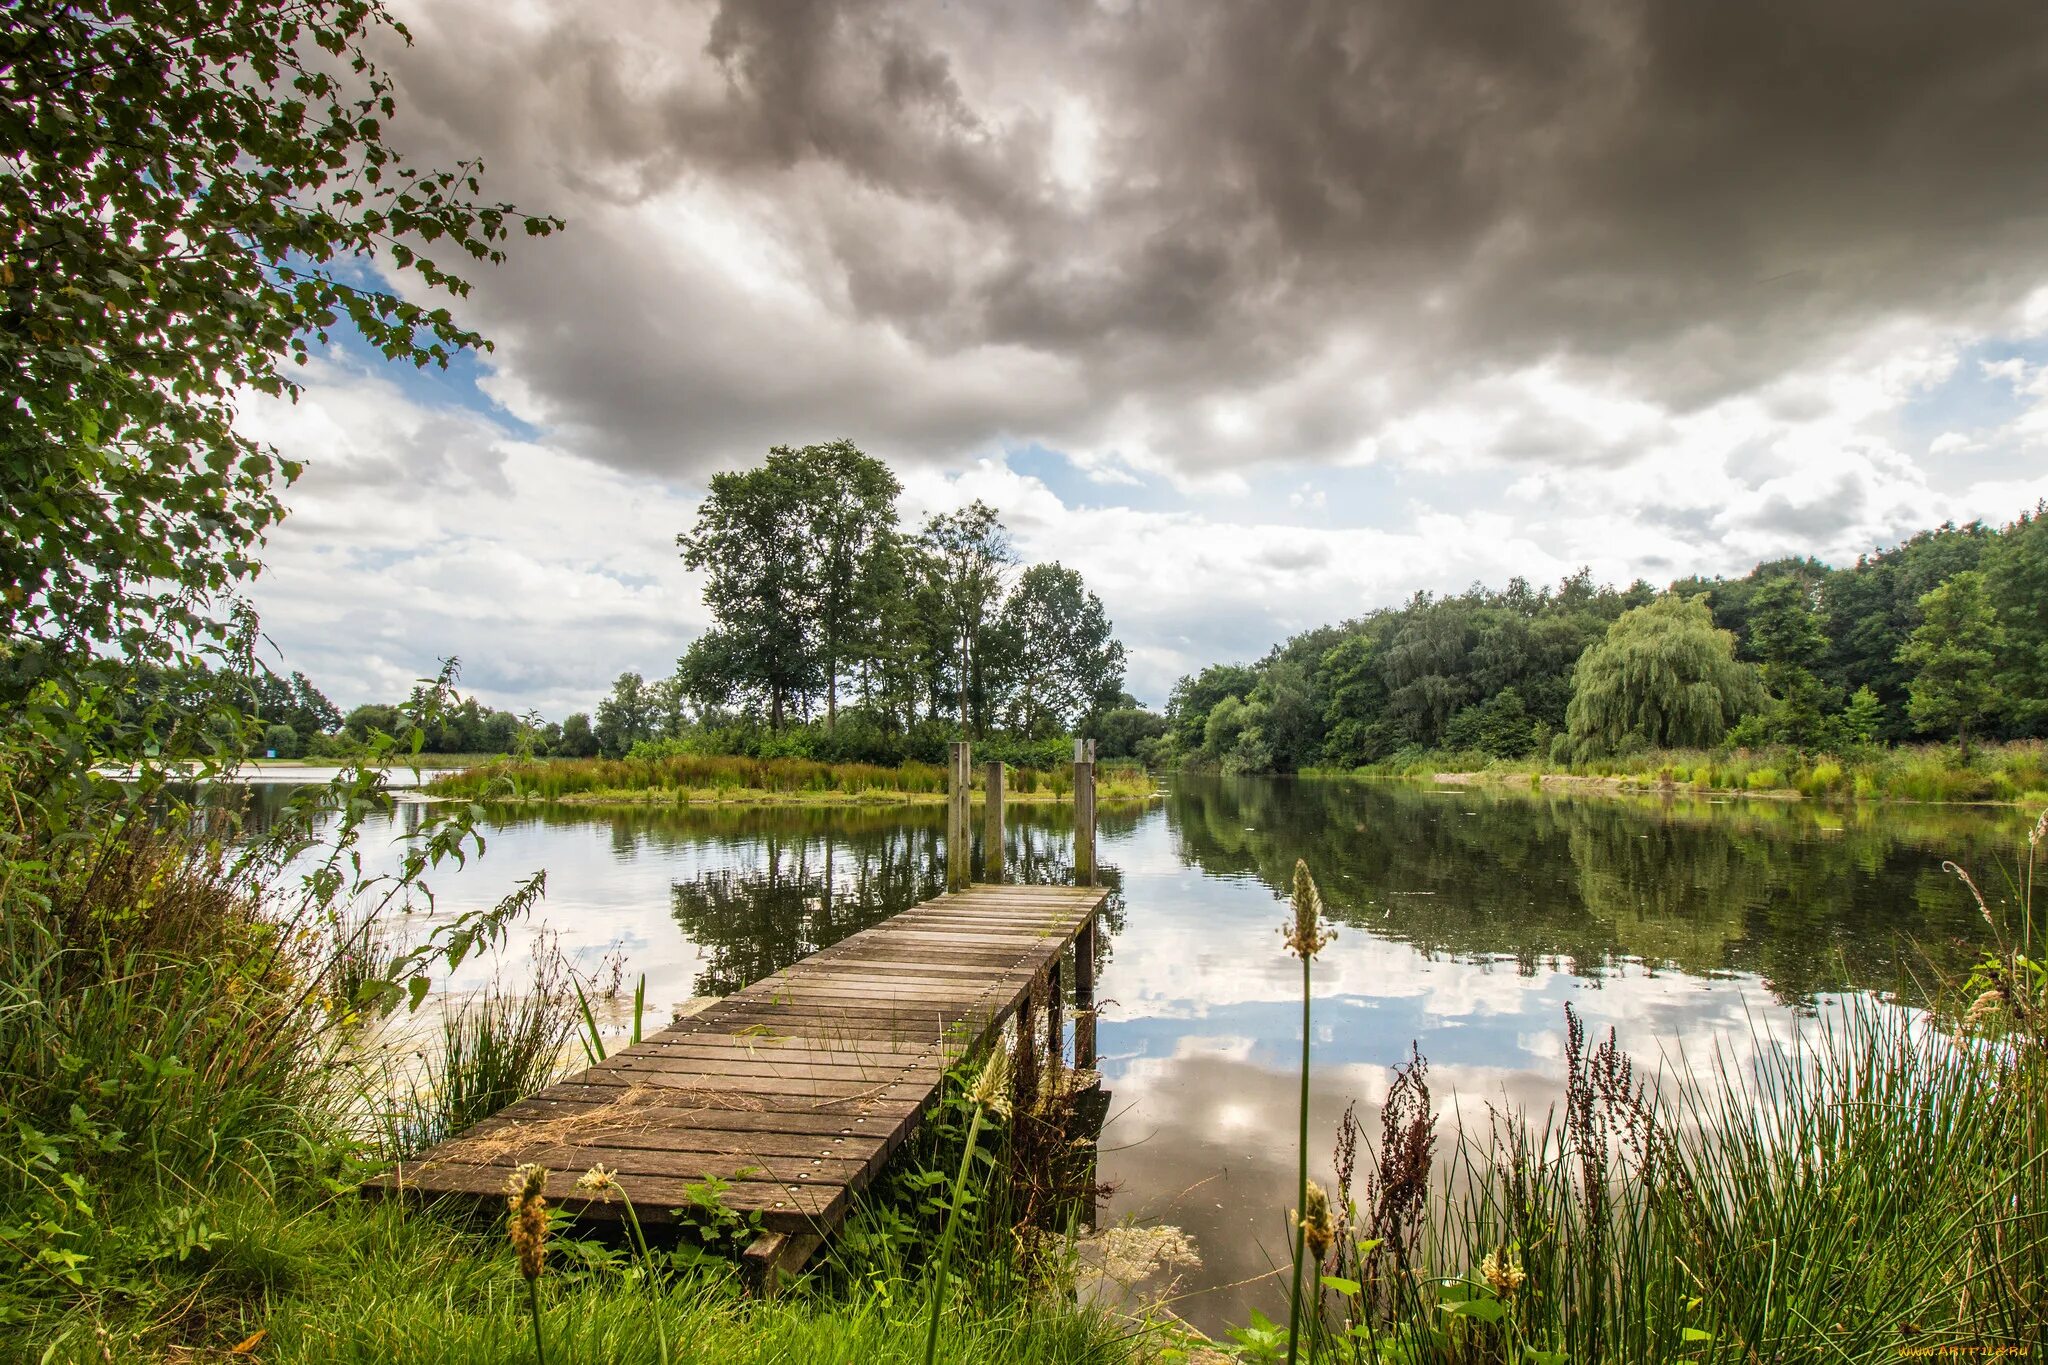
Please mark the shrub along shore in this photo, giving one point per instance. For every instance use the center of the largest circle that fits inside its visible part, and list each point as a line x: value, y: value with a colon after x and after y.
x: 697, y: 779
x: 2002, y: 774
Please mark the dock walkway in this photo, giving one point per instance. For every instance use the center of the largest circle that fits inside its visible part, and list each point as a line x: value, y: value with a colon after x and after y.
x: 796, y: 1089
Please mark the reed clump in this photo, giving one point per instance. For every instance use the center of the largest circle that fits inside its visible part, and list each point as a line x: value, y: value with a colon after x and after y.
x: 1873, y: 1184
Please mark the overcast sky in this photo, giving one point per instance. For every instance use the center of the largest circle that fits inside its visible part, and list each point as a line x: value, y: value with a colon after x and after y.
x: 1260, y: 315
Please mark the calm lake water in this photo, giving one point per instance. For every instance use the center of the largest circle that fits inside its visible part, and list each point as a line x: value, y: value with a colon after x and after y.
x: 1467, y: 918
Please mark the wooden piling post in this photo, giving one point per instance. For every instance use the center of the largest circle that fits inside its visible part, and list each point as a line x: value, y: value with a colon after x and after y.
x: 992, y: 822
x: 1084, y: 875
x: 959, y: 784
x: 1055, y: 1025
x: 1084, y: 997
x: 1084, y: 812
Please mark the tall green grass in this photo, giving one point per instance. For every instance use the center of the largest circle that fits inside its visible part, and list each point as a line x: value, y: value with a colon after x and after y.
x: 1868, y: 1184
x: 498, y: 1046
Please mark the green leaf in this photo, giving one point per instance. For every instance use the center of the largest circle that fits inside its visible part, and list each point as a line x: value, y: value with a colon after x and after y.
x: 1343, y: 1286
x: 1485, y: 1309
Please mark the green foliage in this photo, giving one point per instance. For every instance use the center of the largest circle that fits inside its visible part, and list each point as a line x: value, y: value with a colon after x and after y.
x: 1058, y: 658
x: 1498, y: 727
x: 795, y: 556
x: 1127, y: 731
x: 1663, y: 677
x: 1952, y: 653
x: 1429, y: 677
x: 816, y: 593
x: 1785, y: 635
x: 195, y: 193
x: 2016, y: 579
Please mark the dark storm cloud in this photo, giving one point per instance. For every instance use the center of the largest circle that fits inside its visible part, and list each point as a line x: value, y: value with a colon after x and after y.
x: 1329, y: 213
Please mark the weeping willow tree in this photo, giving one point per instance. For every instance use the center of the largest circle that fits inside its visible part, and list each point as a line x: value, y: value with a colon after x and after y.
x: 1663, y: 677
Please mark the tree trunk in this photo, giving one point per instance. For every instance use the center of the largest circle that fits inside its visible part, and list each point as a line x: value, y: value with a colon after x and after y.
x: 775, y: 709
x: 966, y: 674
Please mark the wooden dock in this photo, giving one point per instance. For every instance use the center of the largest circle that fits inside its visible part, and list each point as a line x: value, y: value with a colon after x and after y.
x: 796, y: 1089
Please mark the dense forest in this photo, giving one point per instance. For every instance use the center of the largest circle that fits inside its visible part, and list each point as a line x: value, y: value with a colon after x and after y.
x: 1942, y: 637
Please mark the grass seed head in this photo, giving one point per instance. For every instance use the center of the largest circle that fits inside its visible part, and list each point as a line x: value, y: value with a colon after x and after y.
x: 992, y: 1086
x: 1318, y: 1225
x: 1307, y: 933
x: 1502, y: 1271
x: 527, y: 1226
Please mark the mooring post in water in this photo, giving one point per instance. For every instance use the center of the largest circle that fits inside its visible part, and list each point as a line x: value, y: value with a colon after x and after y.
x: 992, y: 822
x: 1055, y: 1023
x: 959, y: 783
x: 1084, y: 875
x: 1084, y: 998
x: 1084, y: 812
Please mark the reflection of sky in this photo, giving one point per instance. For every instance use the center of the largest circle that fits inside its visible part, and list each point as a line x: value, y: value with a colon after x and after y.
x: 1201, y: 1028
x: 1200, y: 1049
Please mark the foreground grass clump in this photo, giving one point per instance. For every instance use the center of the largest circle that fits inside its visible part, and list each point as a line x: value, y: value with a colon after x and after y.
x: 195, y: 1079
x: 2014, y: 773
x: 690, y: 779
x: 348, y: 1281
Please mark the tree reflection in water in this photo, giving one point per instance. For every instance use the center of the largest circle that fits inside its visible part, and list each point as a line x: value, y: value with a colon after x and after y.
x: 791, y: 881
x: 1811, y: 898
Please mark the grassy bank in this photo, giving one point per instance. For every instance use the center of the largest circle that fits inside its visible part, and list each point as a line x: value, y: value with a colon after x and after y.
x: 194, y: 1088
x: 689, y: 779
x: 2015, y: 773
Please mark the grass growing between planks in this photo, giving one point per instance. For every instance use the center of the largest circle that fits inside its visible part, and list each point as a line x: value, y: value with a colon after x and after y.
x: 694, y: 779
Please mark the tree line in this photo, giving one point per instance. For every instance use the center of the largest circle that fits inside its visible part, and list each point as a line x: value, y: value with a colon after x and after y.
x: 837, y: 634
x: 1942, y: 636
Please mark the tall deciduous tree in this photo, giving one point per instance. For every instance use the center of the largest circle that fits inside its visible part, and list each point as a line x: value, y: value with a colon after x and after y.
x: 752, y: 542
x: 1952, y: 654
x: 966, y: 561
x: 848, y: 502
x: 797, y: 552
x: 1063, y: 663
x: 627, y: 716
x: 1663, y: 676
x: 192, y: 194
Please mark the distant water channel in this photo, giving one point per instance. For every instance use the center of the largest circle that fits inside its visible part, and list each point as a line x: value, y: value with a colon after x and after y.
x: 1467, y: 918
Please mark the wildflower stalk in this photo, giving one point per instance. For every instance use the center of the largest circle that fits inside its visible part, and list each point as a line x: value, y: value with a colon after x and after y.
x: 598, y: 1178
x: 1306, y: 936
x: 527, y: 1227
x: 991, y: 1091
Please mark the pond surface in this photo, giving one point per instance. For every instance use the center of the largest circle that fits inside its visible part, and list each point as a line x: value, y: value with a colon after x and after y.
x: 1466, y: 919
